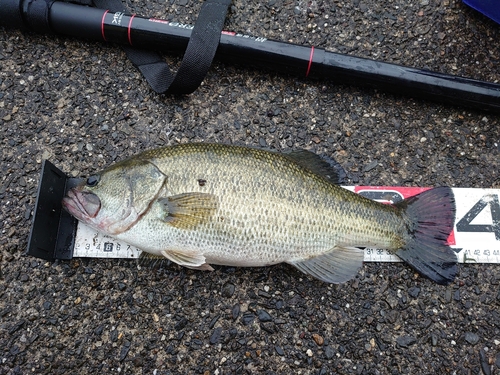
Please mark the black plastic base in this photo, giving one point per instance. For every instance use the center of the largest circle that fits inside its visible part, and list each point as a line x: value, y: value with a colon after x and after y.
x: 53, y: 230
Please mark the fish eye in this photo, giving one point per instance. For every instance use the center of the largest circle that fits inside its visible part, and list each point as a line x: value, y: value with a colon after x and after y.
x: 93, y: 180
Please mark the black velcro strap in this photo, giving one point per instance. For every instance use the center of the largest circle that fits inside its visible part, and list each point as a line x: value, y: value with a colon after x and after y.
x: 197, y: 59
x: 201, y: 48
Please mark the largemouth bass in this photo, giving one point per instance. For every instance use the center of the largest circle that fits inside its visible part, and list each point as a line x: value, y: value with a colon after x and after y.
x: 202, y: 204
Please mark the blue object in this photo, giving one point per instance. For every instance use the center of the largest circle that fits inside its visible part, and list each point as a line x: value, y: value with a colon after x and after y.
x: 490, y: 8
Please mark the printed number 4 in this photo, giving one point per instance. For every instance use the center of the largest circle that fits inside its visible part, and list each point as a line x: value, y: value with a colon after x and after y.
x: 464, y: 225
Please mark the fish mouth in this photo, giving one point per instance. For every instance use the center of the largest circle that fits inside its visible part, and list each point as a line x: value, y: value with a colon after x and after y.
x: 83, y: 205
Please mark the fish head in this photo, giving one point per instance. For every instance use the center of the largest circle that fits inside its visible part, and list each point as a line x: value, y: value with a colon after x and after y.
x: 118, y: 197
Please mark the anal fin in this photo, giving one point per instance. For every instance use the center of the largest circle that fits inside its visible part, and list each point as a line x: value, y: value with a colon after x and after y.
x: 337, y: 266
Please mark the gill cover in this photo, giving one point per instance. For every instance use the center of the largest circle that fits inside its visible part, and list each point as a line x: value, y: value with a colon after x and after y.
x: 126, y: 190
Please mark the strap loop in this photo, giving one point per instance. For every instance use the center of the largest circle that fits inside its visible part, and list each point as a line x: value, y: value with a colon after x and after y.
x: 197, y: 59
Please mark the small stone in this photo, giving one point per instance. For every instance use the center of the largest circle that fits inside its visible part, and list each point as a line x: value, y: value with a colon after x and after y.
x: 329, y: 352
x: 471, y: 338
x: 122, y: 286
x: 263, y: 293
x: 247, y: 318
x: 447, y: 295
x: 181, y: 324
x: 235, y: 311
x: 414, y: 291
x: 228, y: 290
x: 371, y: 166
x: 483, y: 359
x: 279, y: 350
x: 318, y: 339
x: 124, y: 351
x: 113, y: 335
x: 215, y: 337
x: 78, y: 300
x: 406, y: 341
x: 434, y: 340
x: 264, y: 316
x: 309, y: 353
x: 213, y: 321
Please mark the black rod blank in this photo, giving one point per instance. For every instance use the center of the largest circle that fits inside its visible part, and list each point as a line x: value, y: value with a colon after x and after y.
x: 149, y: 33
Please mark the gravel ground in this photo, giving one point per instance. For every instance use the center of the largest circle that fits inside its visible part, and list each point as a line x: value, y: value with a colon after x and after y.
x: 82, y: 106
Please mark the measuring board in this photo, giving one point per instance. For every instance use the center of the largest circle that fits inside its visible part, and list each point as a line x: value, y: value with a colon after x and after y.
x: 476, y: 237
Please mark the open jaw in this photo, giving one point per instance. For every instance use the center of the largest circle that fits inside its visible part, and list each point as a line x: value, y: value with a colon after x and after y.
x: 83, y: 205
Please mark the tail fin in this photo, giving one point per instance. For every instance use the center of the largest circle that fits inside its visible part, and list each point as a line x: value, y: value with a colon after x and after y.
x: 433, y: 216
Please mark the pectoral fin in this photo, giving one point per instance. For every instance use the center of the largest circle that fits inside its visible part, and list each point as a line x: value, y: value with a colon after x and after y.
x: 188, y: 210
x: 188, y: 258
x: 337, y: 266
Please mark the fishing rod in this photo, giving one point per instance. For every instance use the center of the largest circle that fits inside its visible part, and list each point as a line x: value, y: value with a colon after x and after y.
x: 307, y: 61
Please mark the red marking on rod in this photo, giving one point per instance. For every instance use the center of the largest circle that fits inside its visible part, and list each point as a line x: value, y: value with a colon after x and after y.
x: 102, y: 25
x: 129, y: 29
x: 310, y: 61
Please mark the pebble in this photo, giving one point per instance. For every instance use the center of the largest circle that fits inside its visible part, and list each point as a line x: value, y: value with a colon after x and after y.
x: 264, y: 316
x: 216, y: 335
x: 228, y: 290
x: 471, y: 338
x: 406, y: 341
x: 483, y: 360
x: 414, y: 291
x: 318, y: 339
x: 371, y: 165
x: 235, y: 311
x: 247, y: 318
x: 329, y: 352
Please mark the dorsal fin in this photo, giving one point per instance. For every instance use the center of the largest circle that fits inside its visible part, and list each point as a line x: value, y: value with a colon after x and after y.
x: 326, y: 167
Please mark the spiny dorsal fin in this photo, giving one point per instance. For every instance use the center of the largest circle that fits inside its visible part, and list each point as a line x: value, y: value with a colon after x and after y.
x: 337, y: 266
x: 189, y: 209
x: 326, y: 167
